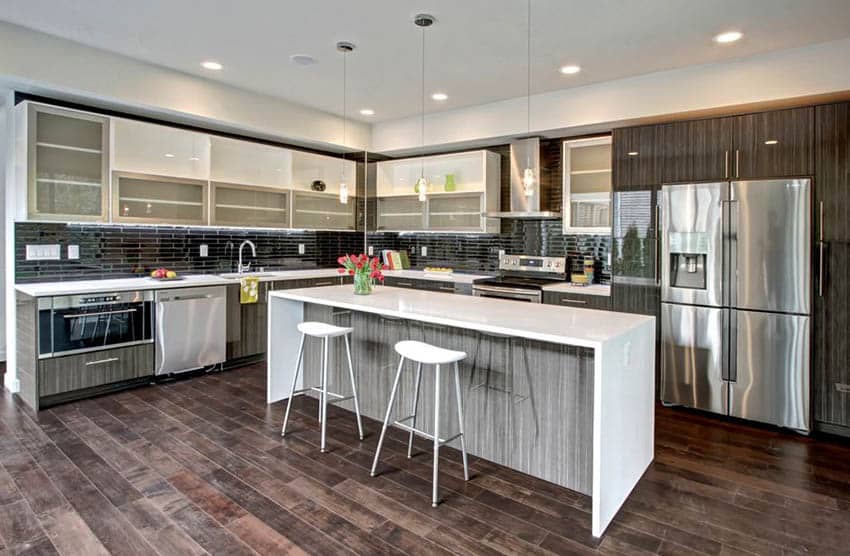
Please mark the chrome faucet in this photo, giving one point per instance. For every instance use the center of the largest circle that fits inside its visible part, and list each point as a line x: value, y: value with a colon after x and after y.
x: 243, y: 268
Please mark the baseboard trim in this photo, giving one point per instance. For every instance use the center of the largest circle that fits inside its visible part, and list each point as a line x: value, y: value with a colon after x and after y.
x: 11, y: 383
x: 829, y: 428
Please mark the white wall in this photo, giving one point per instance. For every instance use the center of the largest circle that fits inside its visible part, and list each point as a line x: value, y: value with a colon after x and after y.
x: 812, y: 70
x: 7, y: 275
x: 44, y: 64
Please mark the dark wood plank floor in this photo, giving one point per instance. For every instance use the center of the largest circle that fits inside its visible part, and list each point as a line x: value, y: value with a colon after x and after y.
x: 198, y: 466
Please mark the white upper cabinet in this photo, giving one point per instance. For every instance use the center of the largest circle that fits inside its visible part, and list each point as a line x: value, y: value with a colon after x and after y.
x: 587, y: 186
x: 310, y: 168
x: 247, y: 163
x: 461, y: 187
x: 144, y: 148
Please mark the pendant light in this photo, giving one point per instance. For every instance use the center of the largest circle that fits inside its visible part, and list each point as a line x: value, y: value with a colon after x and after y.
x: 423, y: 21
x: 528, y: 177
x: 345, y: 48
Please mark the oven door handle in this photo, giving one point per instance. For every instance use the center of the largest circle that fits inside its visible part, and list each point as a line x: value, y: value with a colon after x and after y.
x: 99, y: 314
x: 515, y: 293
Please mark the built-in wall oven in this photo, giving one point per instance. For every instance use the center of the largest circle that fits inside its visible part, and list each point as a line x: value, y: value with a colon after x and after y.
x: 79, y: 323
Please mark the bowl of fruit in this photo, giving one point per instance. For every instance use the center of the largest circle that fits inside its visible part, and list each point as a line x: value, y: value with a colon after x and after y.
x: 163, y: 274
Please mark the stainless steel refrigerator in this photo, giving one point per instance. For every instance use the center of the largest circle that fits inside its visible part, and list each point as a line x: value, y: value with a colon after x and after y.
x: 736, y: 299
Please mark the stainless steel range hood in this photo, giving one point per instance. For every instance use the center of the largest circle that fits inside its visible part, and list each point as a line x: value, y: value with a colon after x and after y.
x: 525, y: 153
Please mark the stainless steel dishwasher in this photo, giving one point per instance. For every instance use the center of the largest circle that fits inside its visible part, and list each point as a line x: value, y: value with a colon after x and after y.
x: 190, y: 328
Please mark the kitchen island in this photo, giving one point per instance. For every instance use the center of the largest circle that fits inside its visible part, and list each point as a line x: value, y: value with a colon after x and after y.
x: 563, y: 394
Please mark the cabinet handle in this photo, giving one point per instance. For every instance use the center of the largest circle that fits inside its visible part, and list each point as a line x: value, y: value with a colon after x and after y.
x: 102, y: 361
x: 657, y: 260
x: 323, y: 284
x: 408, y: 284
x: 575, y: 301
x: 726, y: 163
x: 446, y: 288
x: 737, y: 163
x: 821, y: 246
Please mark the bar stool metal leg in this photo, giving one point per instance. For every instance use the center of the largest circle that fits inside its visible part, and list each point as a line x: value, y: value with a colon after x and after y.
x: 415, y: 408
x: 434, y: 496
x: 387, y: 417
x: 324, y: 404
x: 460, y: 423
x: 294, y: 382
x: 353, y: 387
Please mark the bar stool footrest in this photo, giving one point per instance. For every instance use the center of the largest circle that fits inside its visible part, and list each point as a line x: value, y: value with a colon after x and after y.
x: 422, y: 433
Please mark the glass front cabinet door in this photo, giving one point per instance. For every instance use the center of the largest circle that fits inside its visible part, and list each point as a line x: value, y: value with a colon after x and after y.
x: 587, y: 186
x: 68, y: 164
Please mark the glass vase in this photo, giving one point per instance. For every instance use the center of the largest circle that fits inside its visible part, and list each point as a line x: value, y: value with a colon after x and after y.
x: 362, y: 284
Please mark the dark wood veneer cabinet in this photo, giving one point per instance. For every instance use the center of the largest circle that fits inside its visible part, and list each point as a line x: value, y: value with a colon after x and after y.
x: 831, y: 349
x: 578, y: 301
x: 775, y: 144
x: 61, y: 375
x: 698, y: 150
x: 637, y: 156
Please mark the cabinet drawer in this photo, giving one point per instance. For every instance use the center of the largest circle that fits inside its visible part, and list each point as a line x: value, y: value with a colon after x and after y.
x: 87, y: 370
x: 577, y: 300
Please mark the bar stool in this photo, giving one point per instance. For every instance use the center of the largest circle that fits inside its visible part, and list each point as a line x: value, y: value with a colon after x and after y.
x: 325, y: 332
x: 426, y: 354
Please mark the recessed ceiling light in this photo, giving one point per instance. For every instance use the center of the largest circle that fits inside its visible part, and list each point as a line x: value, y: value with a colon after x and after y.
x: 303, y: 59
x: 440, y: 96
x: 211, y: 65
x: 169, y: 155
x: 771, y: 142
x: 728, y: 36
x: 367, y: 112
x: 570, y: 70
x: 633, y: 153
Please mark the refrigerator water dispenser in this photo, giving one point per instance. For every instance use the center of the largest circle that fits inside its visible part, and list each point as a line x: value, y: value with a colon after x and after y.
x: 688, y: 257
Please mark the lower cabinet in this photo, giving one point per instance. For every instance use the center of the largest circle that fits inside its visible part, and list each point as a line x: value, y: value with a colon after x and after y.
x: 581, y: 301
x: 63, y: 375
x: 247, y: 326
x: 429, y: 285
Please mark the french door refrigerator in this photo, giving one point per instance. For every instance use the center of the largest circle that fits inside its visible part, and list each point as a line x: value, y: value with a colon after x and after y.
x: 736, y: 299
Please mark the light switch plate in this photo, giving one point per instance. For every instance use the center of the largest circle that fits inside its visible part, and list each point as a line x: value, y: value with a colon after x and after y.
x: 205, y: 250
x: 301, y: 249
x: 44, y: 252
x: 371, y: 250
x: 424, y: 250
x: 73, y: 252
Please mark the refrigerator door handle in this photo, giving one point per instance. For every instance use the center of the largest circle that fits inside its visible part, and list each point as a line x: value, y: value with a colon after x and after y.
x: 732, y: 341
x: 724, y: 346
x: 732, y: 256
x: 657, y: 244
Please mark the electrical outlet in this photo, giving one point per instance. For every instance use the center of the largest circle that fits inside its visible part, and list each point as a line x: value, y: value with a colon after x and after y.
x: 301, y: 249
x: 424, y: 250
x: 371, y: 250
x: 205, y: 250
x: 44, y: 252
x: 73, y: 252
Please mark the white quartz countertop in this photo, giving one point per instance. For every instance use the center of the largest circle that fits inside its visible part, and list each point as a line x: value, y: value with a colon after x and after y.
x: 75, y: 287
x: 566, y: 287
x: 454, y: 277
x: 547, y: 323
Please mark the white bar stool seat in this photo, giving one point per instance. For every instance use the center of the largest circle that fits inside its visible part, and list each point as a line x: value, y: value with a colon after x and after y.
x: 323, y: 331
x: 426, y: 354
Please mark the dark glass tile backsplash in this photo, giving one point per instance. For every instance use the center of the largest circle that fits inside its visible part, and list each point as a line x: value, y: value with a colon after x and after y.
x: 479, y: 252
x: 122, y: 251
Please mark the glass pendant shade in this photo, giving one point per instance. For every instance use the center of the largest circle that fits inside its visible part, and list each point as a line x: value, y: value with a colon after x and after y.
x: 528, y: 182
x: 421, y: 187
x: 343, y: 192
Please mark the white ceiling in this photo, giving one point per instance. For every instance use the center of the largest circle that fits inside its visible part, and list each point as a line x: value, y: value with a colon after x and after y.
x: 476, y: 52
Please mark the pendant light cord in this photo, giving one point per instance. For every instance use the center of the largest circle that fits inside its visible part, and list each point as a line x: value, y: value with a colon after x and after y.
x: 344, y: 106
x: 528, y: 83
x: 422, y: 123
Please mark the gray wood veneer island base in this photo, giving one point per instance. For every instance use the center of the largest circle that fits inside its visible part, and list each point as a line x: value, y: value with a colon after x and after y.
x: 560, y: 393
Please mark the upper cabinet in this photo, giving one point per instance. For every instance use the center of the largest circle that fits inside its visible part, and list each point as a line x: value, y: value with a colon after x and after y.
x: 159, y: 150
x: 637, y: 157
x: 461, y: 188
x: 699, y: 150
x: 67, y: 164
x: 775, y: 144
x: 587, y: 186
x: 247, y: 163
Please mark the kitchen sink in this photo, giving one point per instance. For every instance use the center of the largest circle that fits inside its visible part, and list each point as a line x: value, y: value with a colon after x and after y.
x: 232, y: 275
